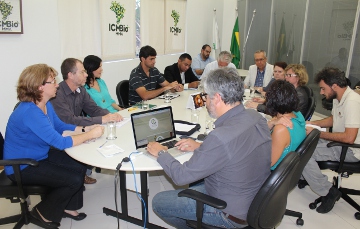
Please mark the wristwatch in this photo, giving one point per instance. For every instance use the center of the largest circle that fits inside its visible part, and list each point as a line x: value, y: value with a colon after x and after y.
x: 161, y: 152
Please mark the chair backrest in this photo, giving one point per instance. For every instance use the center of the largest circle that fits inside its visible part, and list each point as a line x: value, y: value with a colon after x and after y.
x: 269, y: 205
x: 311, y: 108
x: 305, y: 151
x: 1, y: 146
x: 122, y: 93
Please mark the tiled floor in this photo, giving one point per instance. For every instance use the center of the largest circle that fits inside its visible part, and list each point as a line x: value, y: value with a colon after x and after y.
x: 101, y: 195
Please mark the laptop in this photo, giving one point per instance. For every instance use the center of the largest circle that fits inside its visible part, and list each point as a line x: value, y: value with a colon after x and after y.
x: 155, y: 125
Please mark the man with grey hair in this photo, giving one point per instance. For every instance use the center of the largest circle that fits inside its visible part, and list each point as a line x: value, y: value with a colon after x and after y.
x: 241, y: 138
x: 224, y: 60
x: 261, y: 72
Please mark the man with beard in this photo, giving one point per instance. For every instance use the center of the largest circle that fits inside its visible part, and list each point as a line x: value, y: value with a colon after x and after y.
x: 146, y: 78
x: 233, y: 160
x: 201, y: 60
x: 345, y: 121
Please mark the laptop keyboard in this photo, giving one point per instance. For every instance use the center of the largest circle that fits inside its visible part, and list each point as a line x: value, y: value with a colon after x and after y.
x: 170, y: 144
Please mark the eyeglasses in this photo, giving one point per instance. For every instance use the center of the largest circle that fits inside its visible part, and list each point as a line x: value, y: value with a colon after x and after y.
x: 203, y: 96
x: 51, y: 82
x: 258, y: 60
x: 290, y: 75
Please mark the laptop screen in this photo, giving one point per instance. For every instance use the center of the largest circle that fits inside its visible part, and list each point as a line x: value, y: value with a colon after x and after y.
x: 153, y: 125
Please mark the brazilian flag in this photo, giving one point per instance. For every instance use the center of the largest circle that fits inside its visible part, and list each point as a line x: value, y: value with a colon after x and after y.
x: 235, y: 45
x: 281, y: 45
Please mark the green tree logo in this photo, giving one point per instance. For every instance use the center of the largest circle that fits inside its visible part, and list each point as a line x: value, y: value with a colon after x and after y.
x: 5, y: 9
x: 119, y: 10
x: 176, y: 17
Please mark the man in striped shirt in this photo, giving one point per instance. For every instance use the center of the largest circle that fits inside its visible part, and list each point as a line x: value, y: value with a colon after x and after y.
x: 146, y: 82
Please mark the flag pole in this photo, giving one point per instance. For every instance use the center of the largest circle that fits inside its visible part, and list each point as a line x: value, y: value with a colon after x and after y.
x: 247, y: 36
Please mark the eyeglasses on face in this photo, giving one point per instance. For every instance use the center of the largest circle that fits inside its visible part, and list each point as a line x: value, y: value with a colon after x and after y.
x: 51, y: 82
x: 290, y: 75
x: 203, y: 96
x: 258, y: 60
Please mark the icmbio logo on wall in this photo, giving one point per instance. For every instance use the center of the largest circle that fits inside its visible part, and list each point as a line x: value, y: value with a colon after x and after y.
x: 119, y: 11
x: 174, y: 29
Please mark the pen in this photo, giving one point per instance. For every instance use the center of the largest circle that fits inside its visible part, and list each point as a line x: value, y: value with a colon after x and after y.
x: 103, y: 144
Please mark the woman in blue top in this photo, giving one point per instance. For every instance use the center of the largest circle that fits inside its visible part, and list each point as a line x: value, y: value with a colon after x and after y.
x: 35, y: 131
x: 96, y: 87
x: 288, y: 124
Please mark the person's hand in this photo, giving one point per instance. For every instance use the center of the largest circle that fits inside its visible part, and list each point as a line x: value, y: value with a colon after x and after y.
x: 194, y: 84
x: 308, y: 129
x: 285, y: 121
x: 187, y: 145
x: 259, y: 89
x: 112, y: 117
x: 154, y: 148
x: 258, y: 100
x: 179, y: 87
x: 250, y: 104
x: 171, y: 85
x: 97, y: 131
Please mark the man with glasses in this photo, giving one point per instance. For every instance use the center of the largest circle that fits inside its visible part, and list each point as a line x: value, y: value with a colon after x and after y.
x: 224, y: 60
x: 241, y: 138
x: 201, y: 60
x: 261, y: 72
x: 72, y: 100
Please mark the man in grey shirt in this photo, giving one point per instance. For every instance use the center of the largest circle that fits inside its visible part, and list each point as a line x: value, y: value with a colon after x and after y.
x: 71, y: 99
x: 234, y: 159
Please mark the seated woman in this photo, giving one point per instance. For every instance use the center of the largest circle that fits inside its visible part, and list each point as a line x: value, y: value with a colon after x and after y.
x: 96, y: 87
x: 279, y: 74
x: 297, y: 75
x: 35, y: 131
x: 288, y: 124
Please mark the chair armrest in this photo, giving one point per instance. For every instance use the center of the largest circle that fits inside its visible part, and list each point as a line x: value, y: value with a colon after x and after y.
x: 203, y: 198
x: 22, y: 161
x: 331, y: 144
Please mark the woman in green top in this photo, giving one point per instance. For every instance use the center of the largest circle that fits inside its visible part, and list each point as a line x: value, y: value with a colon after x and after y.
x: 288, y: 124
x: 96, y: 87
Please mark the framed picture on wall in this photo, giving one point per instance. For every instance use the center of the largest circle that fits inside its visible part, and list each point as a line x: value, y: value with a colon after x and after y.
x: 11, y: 17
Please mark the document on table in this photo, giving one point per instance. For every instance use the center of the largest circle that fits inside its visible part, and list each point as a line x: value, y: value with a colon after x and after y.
x: 123, y: 122
x: 316, y: 127
x: 110, y: 150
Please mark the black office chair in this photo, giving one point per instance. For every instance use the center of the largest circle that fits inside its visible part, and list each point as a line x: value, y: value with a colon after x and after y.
x: 122, y: 93
x: 344, y: 169
x: 311, y: 103
x: 269, y: 205
x: 16, y: 192
x: 305, y: 151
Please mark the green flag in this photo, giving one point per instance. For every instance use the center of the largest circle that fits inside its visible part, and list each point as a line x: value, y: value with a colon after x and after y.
x: 235, y: 45
x: 281, y: 44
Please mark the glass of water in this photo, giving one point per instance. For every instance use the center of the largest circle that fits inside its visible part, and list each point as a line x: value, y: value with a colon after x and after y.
x: 167, y: 97
x: 145, y: 105
x: 111, y: 130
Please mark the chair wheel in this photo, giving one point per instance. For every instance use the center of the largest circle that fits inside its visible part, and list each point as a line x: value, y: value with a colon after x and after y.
x: 98, y: 170
x: 357, y: 215
x: 300, y: 222
x: 312, y: 206
x: 301, y: 186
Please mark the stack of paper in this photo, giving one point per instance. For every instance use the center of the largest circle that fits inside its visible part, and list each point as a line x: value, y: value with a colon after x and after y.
x: 110, y: 150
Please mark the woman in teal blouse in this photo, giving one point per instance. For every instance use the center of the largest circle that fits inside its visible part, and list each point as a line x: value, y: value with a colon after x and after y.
x: 96, y: 87
x: 288, y: 124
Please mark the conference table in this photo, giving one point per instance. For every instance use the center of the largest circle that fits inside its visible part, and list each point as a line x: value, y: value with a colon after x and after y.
x: 87, y: 153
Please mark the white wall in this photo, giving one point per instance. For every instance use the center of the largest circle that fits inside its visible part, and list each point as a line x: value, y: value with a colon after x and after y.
x: 40, y: 43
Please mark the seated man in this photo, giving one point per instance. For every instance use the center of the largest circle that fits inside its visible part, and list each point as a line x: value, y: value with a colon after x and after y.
x: 241, y: 138
x: 145, y: 78
x: 201, y: 60
x: 182, y: 72
x: 224, y: 60
x: 261, y: 72
x: 72, y: 99
x: 345, y: 121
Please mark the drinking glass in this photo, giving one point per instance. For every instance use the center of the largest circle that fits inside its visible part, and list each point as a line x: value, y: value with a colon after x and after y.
x: 167, y: 97
x: 145, y: 105
x: 111, y: 130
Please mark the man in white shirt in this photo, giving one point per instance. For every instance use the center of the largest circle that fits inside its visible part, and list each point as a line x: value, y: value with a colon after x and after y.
x: 345, y: 121
x: 261, y: 72
x: 224, y: 60
x: 201, y: 60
